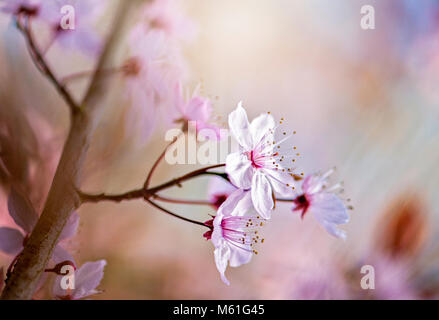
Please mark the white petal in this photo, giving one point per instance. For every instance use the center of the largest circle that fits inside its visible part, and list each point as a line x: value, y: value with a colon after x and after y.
x: 262, y: 195
x: 11, y: 241
x: 240, y: 256
x: 240, y: 170
x: 262, y: 127
x: 282, y: 182
x: 88, y: 277
x: 313, y: 183
x: 329, y: 211
x: 239, y: 126
x: 222, y: 255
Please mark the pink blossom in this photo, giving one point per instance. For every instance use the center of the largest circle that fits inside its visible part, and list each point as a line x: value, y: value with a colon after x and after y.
x: 86, y: 279
x: 219, y: 190
x: 21, y: 211
x: 327, y: 207
x: 82, y: 35
x: 166, y: 15
x: 145, y: 77
x: 194, y: 108
x: 232, y: 233
x: 29, y: 7
x: 256, y: 166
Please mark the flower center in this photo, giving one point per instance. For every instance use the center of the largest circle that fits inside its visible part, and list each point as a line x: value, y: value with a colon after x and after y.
x: 218, y: 200
x: 132, y: 67
x: 302, y: 203
x: 242, y: 232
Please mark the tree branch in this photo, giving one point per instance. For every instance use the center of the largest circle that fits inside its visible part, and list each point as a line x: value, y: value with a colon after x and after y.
x: 43, y: 67
x: 144, y: 193
x: 63, y: 198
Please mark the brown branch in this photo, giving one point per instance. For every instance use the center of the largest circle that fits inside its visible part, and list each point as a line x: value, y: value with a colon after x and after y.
x: 183, y: 201
x: 175, y: 215
x: 144, y: 193
x: 42, y: 65
x: 63, y: 199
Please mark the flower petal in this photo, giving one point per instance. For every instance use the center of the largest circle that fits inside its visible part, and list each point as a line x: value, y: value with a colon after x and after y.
x: 60, y: 255
x: 71, y: 226
x: 329, y: 211
x: 22, y: 211
x: 198, y: 109
x: 219, y: 187
x: 239, y: 126
x: 282, y: 182
x: 262, y: 195
x: 88, y: 277
x: 11, y: 241
x: 222, y: 255
x: 240, y: 170
x: 262, y: 127
x: 238, y: 203
x: 240, y: 256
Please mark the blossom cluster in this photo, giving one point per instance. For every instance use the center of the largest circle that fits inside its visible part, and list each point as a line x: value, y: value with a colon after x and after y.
x: 257, y: 175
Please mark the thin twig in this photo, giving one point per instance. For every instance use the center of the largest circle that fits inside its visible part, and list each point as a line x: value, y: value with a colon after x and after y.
x: 43, y: 67
x: 156, y: 163
x: 182, y: 201
x: 174, y: 214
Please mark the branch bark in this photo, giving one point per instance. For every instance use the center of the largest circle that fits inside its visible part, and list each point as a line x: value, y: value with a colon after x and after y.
x: 63, y: 199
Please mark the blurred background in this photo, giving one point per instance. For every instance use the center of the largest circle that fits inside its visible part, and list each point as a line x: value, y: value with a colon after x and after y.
x: 365, y: 101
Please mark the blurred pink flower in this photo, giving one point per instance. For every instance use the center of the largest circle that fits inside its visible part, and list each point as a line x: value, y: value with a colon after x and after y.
x: 21, y: 211
x: 144, y: 76
x: 233, y: 234
x: 194, y: 108
x: 29, y: 7
x: 81, y: 35
x: 86, y: 279
x: 166, y: 15
x: 328, y: 209
x: 393, y: 279
x: 219, y: 190
x: 255, y: 166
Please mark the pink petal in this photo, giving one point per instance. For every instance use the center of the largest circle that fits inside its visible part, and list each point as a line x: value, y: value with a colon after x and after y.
x: 239, y: 127
x: 240, y: 170
x: 219, y: 186
x: 239, y: 203
x: 198, y: 109
x: 70, y: 228
x: 22, y: 211
x: 60, y: 254
x: 11, y: 241
x: 262, y: 195
x: 282, y: 182
x: 88, y: 277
